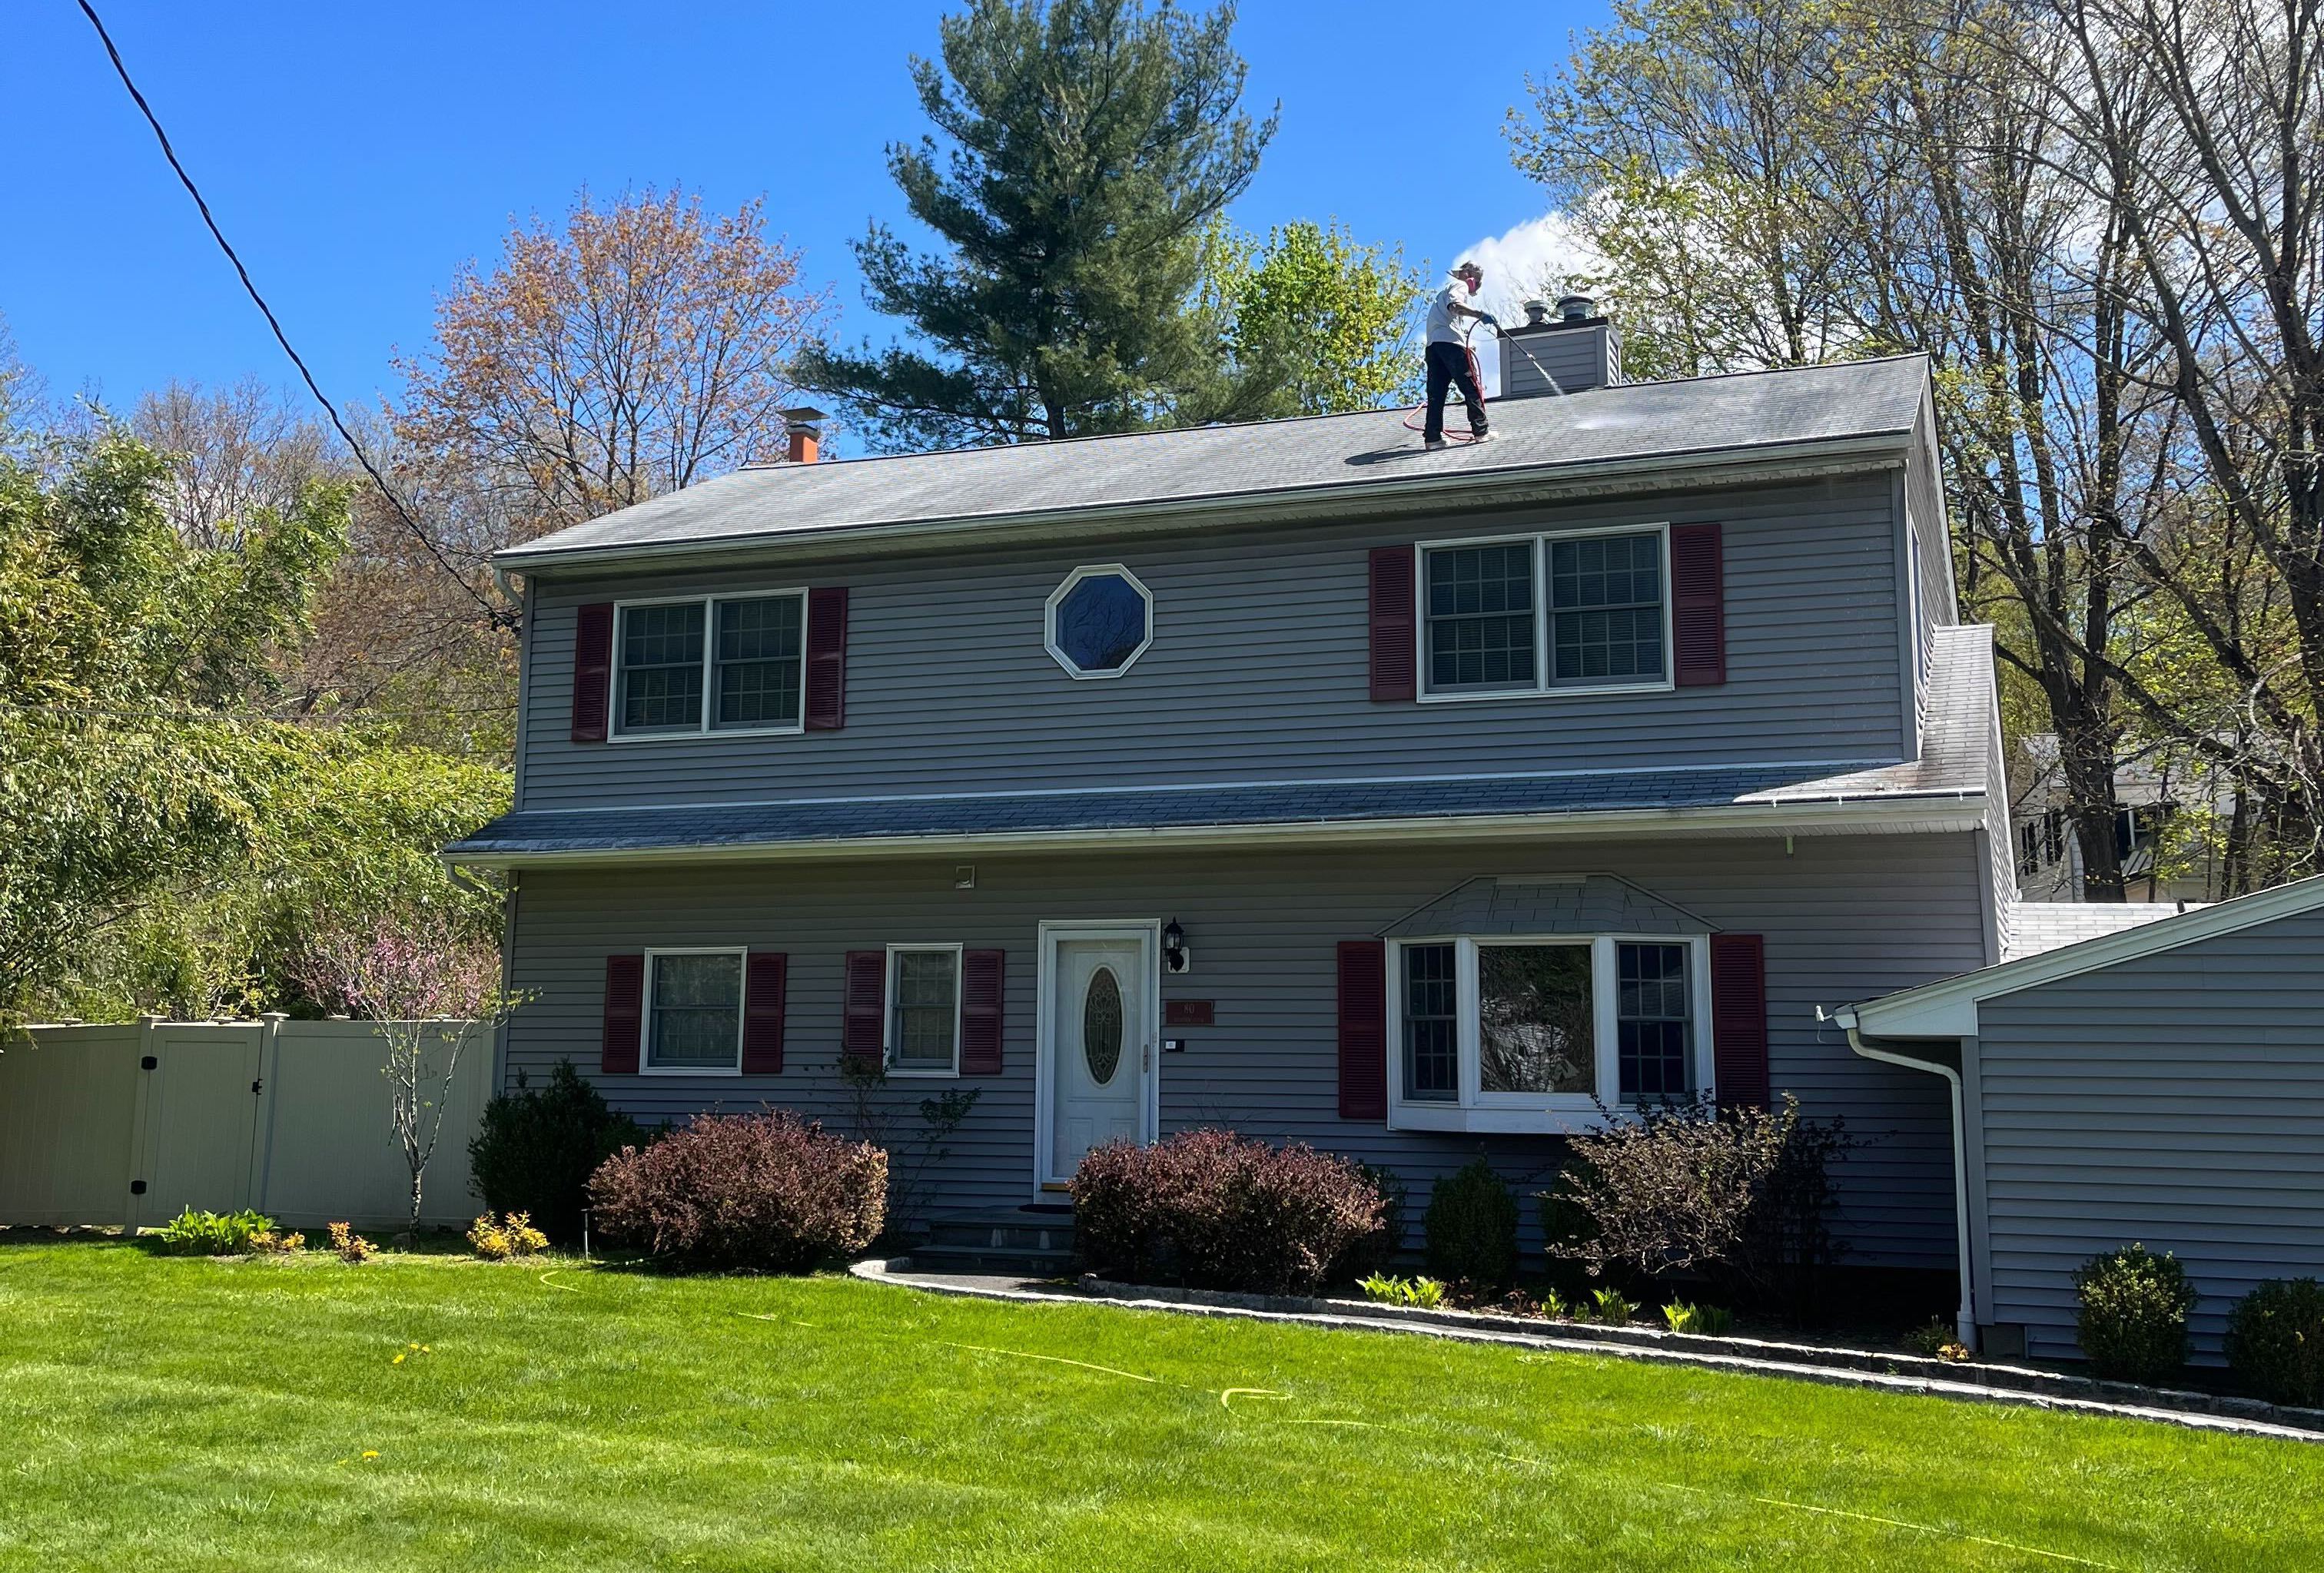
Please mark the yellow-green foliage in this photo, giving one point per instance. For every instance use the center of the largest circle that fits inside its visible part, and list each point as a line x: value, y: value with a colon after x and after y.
x: 508, y: 1237
x: 351, y: 1245
x: 1425, y: 1293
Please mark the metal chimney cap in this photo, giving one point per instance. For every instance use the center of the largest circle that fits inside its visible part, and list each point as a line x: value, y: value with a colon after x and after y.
x: 1537, y: 313
x: 807, y: 416
x: 1576, y: 308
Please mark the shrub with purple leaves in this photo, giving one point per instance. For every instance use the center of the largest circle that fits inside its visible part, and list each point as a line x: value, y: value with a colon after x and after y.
x: 765, y: 1192
x: 1210, y: 1209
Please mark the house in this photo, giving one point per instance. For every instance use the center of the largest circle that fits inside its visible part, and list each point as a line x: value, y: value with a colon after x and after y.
x: 2152, y: 791
x: 2163, y: 1084
x: 1282, y: 776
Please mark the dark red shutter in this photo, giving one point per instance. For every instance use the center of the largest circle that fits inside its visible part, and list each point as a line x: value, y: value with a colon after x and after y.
x: 625, y: 989
x: 1395, y: 660
x: 826, y: 659
x: 982, y: 976
x: 1739, y: 1018
x: 1363, y: 1029
x: 867, y: 1004
x: 766, y: 977
x: 1699, y: 605
x: 593, y: 670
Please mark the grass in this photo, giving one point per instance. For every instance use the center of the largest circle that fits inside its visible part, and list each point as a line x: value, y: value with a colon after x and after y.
x: 160, y: 1413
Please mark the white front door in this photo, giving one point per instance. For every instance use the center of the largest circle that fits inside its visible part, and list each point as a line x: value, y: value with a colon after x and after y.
x: 1098, y: 1042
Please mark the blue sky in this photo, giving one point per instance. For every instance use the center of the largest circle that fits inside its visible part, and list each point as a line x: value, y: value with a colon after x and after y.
x: 357, y: 154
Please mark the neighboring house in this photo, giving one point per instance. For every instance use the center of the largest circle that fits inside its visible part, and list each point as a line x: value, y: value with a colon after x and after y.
x: 1280, y: 775
x: 2163, y: 1084
x: 2150, y: 794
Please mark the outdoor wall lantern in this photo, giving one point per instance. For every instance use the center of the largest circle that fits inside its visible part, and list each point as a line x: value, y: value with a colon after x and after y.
x: 1176, y: 956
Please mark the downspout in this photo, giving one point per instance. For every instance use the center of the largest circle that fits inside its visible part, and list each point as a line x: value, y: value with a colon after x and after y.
x: 1965, y: 1317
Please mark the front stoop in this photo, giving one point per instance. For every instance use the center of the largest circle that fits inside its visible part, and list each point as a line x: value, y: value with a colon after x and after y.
x: 1018, y: 1242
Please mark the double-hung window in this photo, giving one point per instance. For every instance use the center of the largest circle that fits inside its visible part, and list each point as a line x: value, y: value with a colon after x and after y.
x: 718, y: 663
x: 1515, y: 1032
x: 924, y: 1010
x: 1546, y: 613
x: 694, y: 1012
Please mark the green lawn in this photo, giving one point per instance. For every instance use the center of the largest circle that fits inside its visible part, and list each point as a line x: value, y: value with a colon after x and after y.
x: 159, y: 1414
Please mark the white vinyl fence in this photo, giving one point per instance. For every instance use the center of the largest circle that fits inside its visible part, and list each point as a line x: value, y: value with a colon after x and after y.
x: 130, y: 1125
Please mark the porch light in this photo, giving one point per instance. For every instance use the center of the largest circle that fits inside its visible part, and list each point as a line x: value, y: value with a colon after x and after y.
x: 1174, y: 948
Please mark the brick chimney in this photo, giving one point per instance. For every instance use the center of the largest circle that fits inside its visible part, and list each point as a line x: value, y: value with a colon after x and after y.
x: 804, y: 426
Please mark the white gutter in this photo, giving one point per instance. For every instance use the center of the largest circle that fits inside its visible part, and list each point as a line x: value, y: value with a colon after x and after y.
x: 1523, y: 483
x: 1965, y: 1317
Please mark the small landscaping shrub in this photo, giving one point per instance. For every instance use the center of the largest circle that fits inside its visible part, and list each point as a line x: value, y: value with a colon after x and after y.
x: 351, y: 1245
x: 2275, y: 1342
x: 1220, y: 1212
x: 1426, y: 1293
x: 1472, y: 1230
x: 1936, y: 1340
x: 766, y: 1191
x: 2133, y: 1319
x: 537, y: 1147
x: 194, y: 1233
x: 1608, y: 1305
x: 509, y: 1235
x: 1374, y: 1252
x: 269, y: 1242
x: 1557, y: 1308
x: 1738, y: 1194
x: 1710, y: 1320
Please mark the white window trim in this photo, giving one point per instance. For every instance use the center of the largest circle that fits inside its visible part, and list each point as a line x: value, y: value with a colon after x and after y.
x: 702, y: 726
x: 887, y: 1012
x: 1551, y: 1113
x: 1058, y: 596
x: 1544, y: 659
x: 646, y: 1067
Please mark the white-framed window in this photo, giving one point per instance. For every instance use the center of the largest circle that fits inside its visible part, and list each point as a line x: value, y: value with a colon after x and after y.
x: 1533, y: 1033
x: 1558, y: 612
x: 692, y: 1013
x: 1098, y: 621
x: 709, y: 663
x: 923, y: 1008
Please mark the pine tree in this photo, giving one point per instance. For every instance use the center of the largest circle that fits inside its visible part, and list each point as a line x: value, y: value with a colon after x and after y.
x: 1090, y: 145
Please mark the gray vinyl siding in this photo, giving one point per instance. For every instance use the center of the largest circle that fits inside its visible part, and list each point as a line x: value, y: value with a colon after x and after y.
x: 2176, y: 1099
x: 1921, y: 486
x: 1844, y: 918
x: 1258, y: 669
x: 1576, y: 358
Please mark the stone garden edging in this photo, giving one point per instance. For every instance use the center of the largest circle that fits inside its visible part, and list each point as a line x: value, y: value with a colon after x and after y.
x: 1845, y: 1367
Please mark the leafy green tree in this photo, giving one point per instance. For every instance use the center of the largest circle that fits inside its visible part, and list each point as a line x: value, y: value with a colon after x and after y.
x: 1090, y: 145
x: 163, y: 843
x: 1311, y: 322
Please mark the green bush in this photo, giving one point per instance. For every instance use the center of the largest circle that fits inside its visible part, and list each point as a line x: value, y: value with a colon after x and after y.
x: 1426, y: 1293
x: 537, y: 1148
x: 2276, y: 1341
x: 1710, y: 1320
x: 1472, y: 1230
x: 2132, y: 1320
x: 214, y: 1234
x: 1372, y: 1254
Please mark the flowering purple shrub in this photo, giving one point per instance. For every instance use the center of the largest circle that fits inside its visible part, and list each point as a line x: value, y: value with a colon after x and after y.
x: 1220, y: 1212
x: 766, y: 1191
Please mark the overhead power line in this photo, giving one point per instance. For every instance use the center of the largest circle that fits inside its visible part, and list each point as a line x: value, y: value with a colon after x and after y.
x: 498, y: 614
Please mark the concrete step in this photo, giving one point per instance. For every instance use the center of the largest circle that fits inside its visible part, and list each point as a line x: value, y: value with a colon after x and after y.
x: 1015, y: 1229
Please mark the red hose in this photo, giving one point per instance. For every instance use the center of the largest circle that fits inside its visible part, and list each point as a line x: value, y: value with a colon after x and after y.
x: 1416, y: 418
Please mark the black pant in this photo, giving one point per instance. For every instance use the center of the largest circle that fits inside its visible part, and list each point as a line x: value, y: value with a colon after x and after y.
x: 1448, y: 365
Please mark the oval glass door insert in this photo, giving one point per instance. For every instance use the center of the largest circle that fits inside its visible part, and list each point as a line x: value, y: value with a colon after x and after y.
x: 1102, y: 1025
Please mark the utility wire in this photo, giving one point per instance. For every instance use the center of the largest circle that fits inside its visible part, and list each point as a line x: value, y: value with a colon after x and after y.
x: 499, y: 615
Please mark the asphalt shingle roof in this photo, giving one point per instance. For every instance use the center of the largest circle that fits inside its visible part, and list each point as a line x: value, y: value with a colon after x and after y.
x: 1689, y: 418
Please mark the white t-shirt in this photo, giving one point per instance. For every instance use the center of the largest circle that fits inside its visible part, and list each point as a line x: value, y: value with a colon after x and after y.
x: 1444, y: 327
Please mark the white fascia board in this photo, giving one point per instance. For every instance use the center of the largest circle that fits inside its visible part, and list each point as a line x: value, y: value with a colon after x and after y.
x: 1948, y: 1009
x: 1917, y: 815
x: 1512, y: 486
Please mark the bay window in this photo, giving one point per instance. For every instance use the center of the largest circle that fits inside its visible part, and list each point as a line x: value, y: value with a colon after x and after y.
x: 1535, y: 1032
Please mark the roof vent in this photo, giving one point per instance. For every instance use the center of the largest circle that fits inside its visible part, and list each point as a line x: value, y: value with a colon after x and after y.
x: 1576, y: 308
x: 804, y: 426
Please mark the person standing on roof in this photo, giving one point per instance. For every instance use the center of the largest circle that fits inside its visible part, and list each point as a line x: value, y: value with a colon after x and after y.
x: 1449, y: 364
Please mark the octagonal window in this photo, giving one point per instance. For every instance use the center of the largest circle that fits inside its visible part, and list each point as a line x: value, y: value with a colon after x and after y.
x: 1100, y: 620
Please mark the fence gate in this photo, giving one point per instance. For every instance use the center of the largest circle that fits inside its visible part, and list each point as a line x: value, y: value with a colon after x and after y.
x: 200, y: 1120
